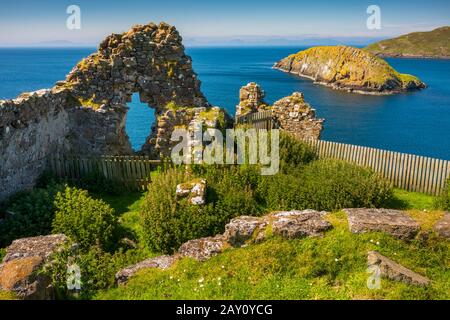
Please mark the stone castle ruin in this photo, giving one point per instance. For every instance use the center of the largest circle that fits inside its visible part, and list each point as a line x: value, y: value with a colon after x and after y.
x: 85, y: 114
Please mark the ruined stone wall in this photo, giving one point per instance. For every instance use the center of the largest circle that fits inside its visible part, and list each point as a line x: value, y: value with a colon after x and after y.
x: 86, y: 113
x: 291, y: 113
x: 31, y: 127
x: 297, y: 117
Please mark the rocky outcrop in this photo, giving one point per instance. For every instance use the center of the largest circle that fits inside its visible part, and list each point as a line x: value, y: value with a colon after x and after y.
x: 240, y: 232
x: 350, y: 69
x: 162, y: 262
x: 291, y: 114
x: 19, y: 271
x: 202, y: 249
x: 395, y: 271
x: 442, y: 227
x: 393, y: 222
x: 86, y: 113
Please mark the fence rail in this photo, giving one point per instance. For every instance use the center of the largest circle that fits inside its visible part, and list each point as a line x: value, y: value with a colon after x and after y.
x: 134, y: 172
x: 259, y: 120
x: 406, y: 171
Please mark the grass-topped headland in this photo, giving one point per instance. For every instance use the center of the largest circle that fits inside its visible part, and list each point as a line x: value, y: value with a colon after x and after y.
x: 348, y: 68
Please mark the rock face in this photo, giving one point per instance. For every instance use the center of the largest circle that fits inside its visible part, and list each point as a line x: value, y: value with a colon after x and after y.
x: 202, y: 249
x: 393, y: 222
x: 299, y: 224
x: 162, y: 262
x: 395, y: 271
x: 350, y: 69
x: 291, y: 114
x: 442, y: 227
x: 240, y: 232
x: 24, y: 258
x: 86, y: 113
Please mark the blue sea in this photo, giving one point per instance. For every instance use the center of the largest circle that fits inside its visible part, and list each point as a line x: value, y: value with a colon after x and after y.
x: 417, y: 122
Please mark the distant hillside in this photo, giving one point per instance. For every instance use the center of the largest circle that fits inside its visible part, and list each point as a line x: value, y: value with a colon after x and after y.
x: 433, y: 44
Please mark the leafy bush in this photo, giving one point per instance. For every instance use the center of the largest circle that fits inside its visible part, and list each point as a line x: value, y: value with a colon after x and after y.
x: 2, y: 254
x: 97, y: 269
x: 333, y: 185
x: 29, y: 214
x: 280, y: 192
x: 442, y: 202
x: 168, y: 222
x: 83, y: 219
x: 294, y: 154
x: 97, y: 183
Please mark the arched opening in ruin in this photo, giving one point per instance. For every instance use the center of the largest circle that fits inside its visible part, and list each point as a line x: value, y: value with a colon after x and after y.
x: 139, y: 122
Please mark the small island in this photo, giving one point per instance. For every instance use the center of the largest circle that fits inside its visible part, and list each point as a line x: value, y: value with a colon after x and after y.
x: 350, y: 69
x: 434, y: 45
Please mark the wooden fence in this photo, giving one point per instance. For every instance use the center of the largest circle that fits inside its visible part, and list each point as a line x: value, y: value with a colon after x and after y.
x: 406, y: 171
x: 134, y: 172
x: 259, y: 120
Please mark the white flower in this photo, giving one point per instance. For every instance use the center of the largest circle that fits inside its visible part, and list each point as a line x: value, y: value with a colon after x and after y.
x: 378, y: 243
x: 223, y: 267
x: 336, y: 259
x: 371, y: 240
x: 171, y: 277
x: 201, y: 286
x: 201, y: 280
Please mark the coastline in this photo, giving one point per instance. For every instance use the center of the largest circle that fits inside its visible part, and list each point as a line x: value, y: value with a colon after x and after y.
x: 346, y: 89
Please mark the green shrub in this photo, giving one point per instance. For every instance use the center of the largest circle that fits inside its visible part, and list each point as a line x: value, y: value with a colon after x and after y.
x: 97, y: 269
x: 294, y: 154
x: 83, y: 219
x: 2, y: 254
x: 280, y: 192
x: 442, y: 202
x: 333, y: 185
x: 29, y: 214
x: 168, y: 222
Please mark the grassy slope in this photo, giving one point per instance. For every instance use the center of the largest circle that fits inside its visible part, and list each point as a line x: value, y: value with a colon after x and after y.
x: 435, y: 43
x: 300, y: 269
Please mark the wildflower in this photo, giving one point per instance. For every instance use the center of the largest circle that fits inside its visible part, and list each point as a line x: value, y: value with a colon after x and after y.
x: 201, y: 286
x: 371, y: 240
x: 201, y: 280
x: 378, y: 243
x: 223, y: 267
x: 336, y: 259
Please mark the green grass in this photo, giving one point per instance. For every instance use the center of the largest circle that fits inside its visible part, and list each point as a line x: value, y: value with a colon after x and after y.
x: 332, y: 267
x: 405, y: 200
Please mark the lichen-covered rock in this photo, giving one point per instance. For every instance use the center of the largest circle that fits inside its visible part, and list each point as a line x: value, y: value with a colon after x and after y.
x: 202, y: 249
x: 195, y: 190
x: 298, y: 224
x: 162, y: 262
x: 43, y: 247
x: 395, y: 271
x: 348, y: 68
x: 393, y: 222
x: 19, y: 271
x: 442, y: 227
x: 287, y: 224
x: 241, y: 229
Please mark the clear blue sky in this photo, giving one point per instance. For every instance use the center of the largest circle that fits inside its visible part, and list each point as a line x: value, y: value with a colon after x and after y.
x: 30, y: 21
